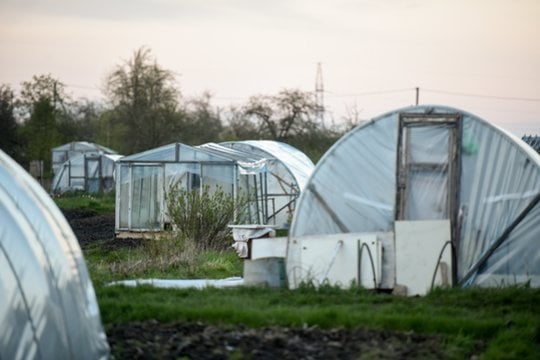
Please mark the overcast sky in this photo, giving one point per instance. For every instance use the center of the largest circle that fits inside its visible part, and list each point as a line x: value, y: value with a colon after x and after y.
x: 482, y: 56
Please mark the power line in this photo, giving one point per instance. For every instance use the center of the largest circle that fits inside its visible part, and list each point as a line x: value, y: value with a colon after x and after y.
x: 370, y: 92
x: 480, y: 95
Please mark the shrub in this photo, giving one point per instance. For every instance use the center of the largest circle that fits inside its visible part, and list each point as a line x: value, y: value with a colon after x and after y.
x: 200, y: 218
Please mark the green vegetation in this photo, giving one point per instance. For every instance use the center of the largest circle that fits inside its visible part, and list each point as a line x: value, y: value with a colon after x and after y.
x: 496, y: 323
x: 99, y: 203
x: 163, y: 258
x: 503, y: 323
x: 201, y: 218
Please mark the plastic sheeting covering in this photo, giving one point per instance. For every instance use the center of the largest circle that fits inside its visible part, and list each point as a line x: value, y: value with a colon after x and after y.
x: 48, y: 308
x: 87, y: 172
x: 63, y: 153
x: 353, y: 189
x: 288, y: 172
x: 183, y: 284
x: 291, y: 161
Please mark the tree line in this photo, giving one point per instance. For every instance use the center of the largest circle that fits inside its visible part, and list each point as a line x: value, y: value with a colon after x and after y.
x: 144, y: 108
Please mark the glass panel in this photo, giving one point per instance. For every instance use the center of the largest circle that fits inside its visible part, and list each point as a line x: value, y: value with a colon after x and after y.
x: 92, y: 168
x: 93, y: 185
x: 123, y: 204
x: 218, y: 176
x: 59, y: 156
x: 249, y: 189
x: 77, y: 167
x: 145, y: 202
x: 188, y: 153
x: 181, y: 174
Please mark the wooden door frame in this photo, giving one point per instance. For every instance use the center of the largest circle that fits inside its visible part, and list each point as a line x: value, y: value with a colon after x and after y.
x: 454, y: 122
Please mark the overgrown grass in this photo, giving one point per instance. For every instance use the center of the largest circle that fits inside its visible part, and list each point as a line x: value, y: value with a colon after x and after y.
x: 100, y: 203
x: 159, y: 258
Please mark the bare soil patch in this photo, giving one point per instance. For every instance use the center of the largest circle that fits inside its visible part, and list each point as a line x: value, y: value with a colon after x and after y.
x: 89, y: 226
x: 154, y: 340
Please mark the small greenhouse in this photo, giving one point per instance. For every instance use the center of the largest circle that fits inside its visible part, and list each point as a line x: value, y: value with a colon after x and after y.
x: 89, y: 172
x: 288, y: 172
x: 418, y: 197
x: 63, y: 153
x: 144, y: 179
x: 48, y: 308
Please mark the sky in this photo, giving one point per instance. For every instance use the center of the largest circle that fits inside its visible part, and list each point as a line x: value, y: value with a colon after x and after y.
x: 482, y: 56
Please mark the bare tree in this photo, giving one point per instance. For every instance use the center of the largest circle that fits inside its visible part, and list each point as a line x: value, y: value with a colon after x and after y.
x: 288, y: 113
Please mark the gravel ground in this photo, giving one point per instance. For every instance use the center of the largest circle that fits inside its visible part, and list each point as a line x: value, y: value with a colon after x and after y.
x: 154, y: 340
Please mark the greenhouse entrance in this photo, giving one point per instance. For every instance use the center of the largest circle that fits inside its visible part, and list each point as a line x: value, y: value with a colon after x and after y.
x: 427, y: 167
x: 427, y: 198
x: 92, y: 170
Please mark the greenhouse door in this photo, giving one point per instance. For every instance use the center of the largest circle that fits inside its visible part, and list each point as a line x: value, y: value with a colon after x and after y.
x: 427, y: 167
x: 145, y: 198
x: 92, y: 171
x: 428, y: 158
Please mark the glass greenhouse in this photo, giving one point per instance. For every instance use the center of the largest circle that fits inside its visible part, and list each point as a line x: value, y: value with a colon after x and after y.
x: 431, y: 163
x: 48, y: 308
x: 143, y: 181
x: 89, y: 172
x: 63, y: 153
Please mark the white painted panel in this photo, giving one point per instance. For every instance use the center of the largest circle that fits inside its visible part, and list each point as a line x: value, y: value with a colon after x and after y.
x: 331, y: 259
x: 268, y: 247
x: 418, y: 246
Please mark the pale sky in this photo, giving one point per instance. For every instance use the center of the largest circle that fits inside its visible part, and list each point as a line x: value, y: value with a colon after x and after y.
x: 239, y: 48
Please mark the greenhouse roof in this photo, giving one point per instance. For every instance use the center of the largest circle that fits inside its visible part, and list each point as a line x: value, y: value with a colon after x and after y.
x: 299, y: 165
x: 208, y: 153
x: 84, y: 146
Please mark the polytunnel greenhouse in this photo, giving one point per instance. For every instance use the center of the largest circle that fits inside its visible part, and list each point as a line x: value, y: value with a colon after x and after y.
x: 63, y: 153
x: 144, y: 179
x: 288, y: 172
x: 89, y: 172
x: 434, y: 191
x: 48, y: 308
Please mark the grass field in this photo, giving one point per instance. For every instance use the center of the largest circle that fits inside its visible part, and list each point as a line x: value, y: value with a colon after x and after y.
x: 504, y: 323
x: 101, y: 203
x: 496, y: 323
